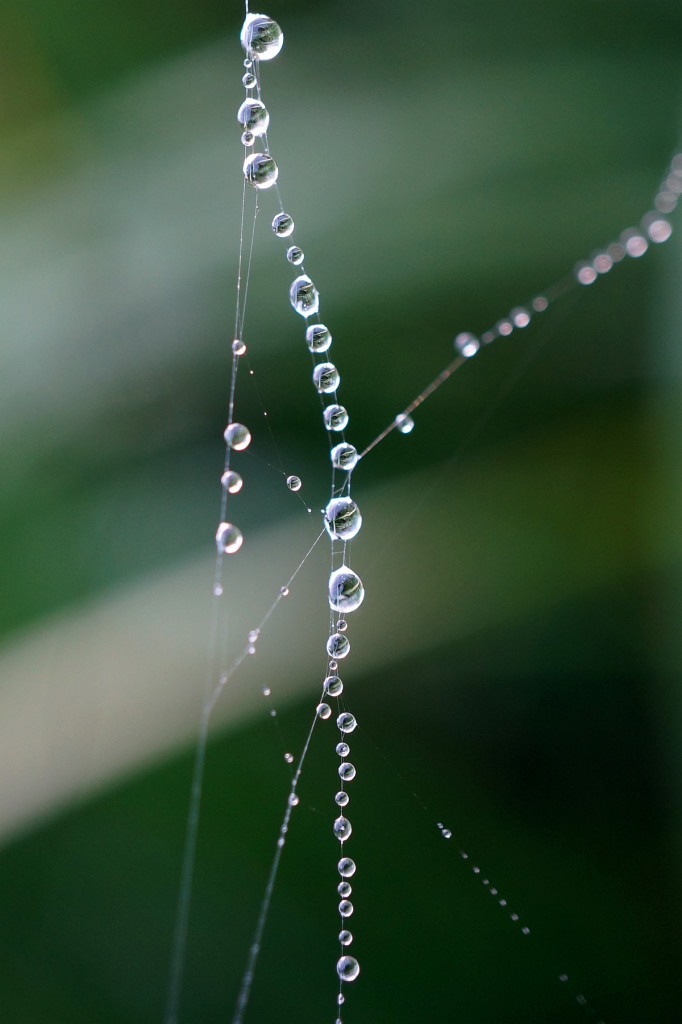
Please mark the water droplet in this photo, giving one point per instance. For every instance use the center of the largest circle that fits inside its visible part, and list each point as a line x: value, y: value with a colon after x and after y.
x: 467, y: 345
x: 344, y: 889
x: 253, y: 117
x: 345, y: 937
x: 616, y: 251
x: 281, y: 841
x: 585, y: 273
x: 340, y: 999
x: 260, y: 170
x: 252, y: 650
x: 289, y: 758
x: 346, y: 867
x: 333, y: 665
x: 323, y: 711
x: 237, y: 436
x: 342, y: 749
x: 540, y: 304
x: 520, y: 316
x: 504, y: 328
x: 293, y: 800
x: 228, y: 538
x: 248, y: 138
x: 493, y: 892
x: 342, y: 519
x: 266, y: 693
x: 304, y: 296
x: 284, y: 591
x: 342, y: 625
x: 635, y: 243
x: 238, y: 347
x: 563, y: 977
x: 283, y: 225
x: 346, y: 722
x: 253, y: 635
x: 326, y: 378
x: 333, y: 686
x: 404, y: 423
x: 602, y: 263
x: 447, y: 833
x: 295, y: 255
x: 249, y: 80
x: 514, y: 917
x: 346, y: 908
x: 526, y: 931
x: 261, y: 37
x: 217, y: 590
x: 294, y: 483
x: 659, y: 230
x: 338, y: 645
x: 318, y: 338
x: 342, y: 828
x: 347, y: 968
x: 344, y: 456
x: 341, y: 798
x: 347, y: 771
x: 335, y: 417
x: 346, y: 592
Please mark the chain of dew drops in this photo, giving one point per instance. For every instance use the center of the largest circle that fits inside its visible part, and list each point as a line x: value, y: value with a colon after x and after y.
x: 262, y: 39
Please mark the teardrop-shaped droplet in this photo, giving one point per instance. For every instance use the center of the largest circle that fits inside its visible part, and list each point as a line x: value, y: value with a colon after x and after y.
x: 333, y: 686
x: 346, y: 908
x: 283, y: 225
x: 347, y: 968
x: 345, y: 937
x: 335, y: 417
x: 342, y: 519
x: 326, y: 378
x: 342, y: 749
x: 261, y: 37
x: 347, y: 771
x: 341, y: 798
x: 342, y: 828
x: 295, y: 255
x: 237, y: 436
x: 294, y: 483
x: 323, y: 711
x: 344, y: 456
x: 304, y: 296
x: 260, y: 170
x: 228, y: 538
x: 346, y: 722
x: 338, y: 645
x: 231, y: 481
x: 404, y: 423
x: 253, y: 117
x: 318, y: 338
x: 346, y: 592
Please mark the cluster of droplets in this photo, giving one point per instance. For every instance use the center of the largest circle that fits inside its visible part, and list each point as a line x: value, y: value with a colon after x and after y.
x: 229, y: 538
x: 262, y: 39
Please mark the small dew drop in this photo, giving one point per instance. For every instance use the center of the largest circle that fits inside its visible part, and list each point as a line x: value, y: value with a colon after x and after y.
x: 248, y: 138
x: 581, y: 1000
x: 253, y: 635
x: 467, y: 344
x: 261, y: 37
x: 333, y: 665
x: 346, y: 592
x: 237, y: 436
x: 404, y: 423
x: 338, y: 646
x: 281, y: 841
x: 295, y: 255
x: 238, y: 347
x: 342, y: 519
x: 616, y: 251
x: 253, y: 117
x: 344, y: 456
x: 344, y: 889
x: 342, y: 749
x: 335, y: 417
x: 347, y: 968
x: 476, y: 871
x: 540, y: 304
x: 289, y: 758
x: 293, y: 800
x: 318, y: 338
x: 346, y: 908
x: 326, y: 378
x: 283, y: 225
x: 342, y: 828
x: 635, y: 243
x: 660, y: 230
x: 333, y: 686
x: 252, y: 648
x: 525, y: 930
x: 488, y: 337
x: 284, y: 591
x: 345, y: 937
x: 294, y: 483
x: 340, y: 1000
x: 266, y: 691
x: 585, y: 273
x: 304, y: 296
x: 346, y: 867
x: 323, y: 711
x: 260, y: 170
x: 273, y: 713
x: 503, y: 903
x: 217, y: 590
x: 342, y: 625
x: 228, y: 538
x: 447, y: 833
x: 346, y: 722
x: 602, y: 263
x: 504, y: 328
x: 342, y: 798
x: 347, y: 771
x: 563, y: 977
x: 249, y: 80
x: 520, y: 317
x: 514, y: 917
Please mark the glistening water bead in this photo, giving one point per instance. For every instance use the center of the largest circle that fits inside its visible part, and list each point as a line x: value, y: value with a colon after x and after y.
x: 342, y: 828
x: 326, y: 378
x: 260, y: 170
x: 344, y: 456
x: 347, y: 771
x: 338, y: 645
x: 342, y: 749
x: 323, y: 711
x: 404, y: 423
x: 346, y: 592
x: 237, y: 436
x: 231, y: 481
x: 294, y: 483
x: 228, y: 538
x: 346, y: 722
x: 304, y: 296
x: 283, y: 225
x: 253, y: 117
x: 333, y: 685
x: 295, y: 255
x: 261, y: 37
x: 345, y: 937
x: 335, y: 417
x: 318, y: 338
x: 342, y: 519
x: 347, y: 968
x: 346, y: 867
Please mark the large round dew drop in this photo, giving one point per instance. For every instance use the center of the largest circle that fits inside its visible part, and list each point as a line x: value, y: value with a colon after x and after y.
x: 261, y: 37
x: 346, y: 592
x: 304, y: 296
x: 342, y: 519
x: 260, y: 170
x: 347, y: 968
x: 253, y: 117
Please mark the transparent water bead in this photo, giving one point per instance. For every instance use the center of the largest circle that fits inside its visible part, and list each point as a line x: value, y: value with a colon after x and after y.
x: 253, y: 117
x: 342, y: 749
x: 404, y: 423
x: 261, y: 37
x: 346, y: 592
x: 346, y: 867
x: 294, y: 483
x: 467, y: 344
x: 249, y: 80
x: 345, y: 937
x: 342, y: 519
x: 347, y: 968
x: 231, y: 481
x: 342, y: 625
x: 335, y: 417
x: 304, y: 296
x: 238, y: 347
x: 342, y: 798
x: 347, y: 771
x: 289, y: 758
x: 295, y: 255
x: 342, y: 828
x: 344, y: 456
x: 248, y: 138
x: 344, y: 889
x: 346, y: 908
x: 333, y: 686
x: 326, y: 378
x: 323, y: 711
x: 338, y: 645
x: 237, y: 436
x: 293, y: 800
x: 346, y: 722
x: 260, y: 170
x: 318, y: 338
x: 283, y: 225
x: 228, y: 538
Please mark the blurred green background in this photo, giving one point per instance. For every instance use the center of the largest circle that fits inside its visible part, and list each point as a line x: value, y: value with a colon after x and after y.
x: 516, y: 663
